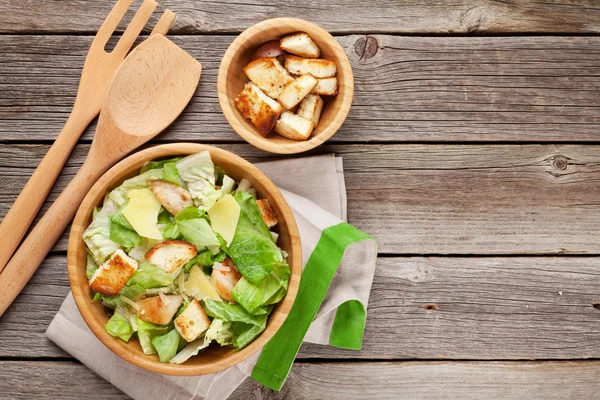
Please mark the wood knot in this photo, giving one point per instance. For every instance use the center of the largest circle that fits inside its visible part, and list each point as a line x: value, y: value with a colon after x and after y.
x: 596, y: 306
x: 560, y: 162
x: 431, y: 307
x: 366, y: 47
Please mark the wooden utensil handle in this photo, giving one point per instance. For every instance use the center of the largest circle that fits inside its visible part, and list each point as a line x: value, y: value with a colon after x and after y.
x: 30, y: 200
x: 39, y: 242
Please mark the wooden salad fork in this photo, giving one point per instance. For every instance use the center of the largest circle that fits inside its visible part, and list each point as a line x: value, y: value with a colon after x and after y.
x: 149, y: 90
x: 98, y: 70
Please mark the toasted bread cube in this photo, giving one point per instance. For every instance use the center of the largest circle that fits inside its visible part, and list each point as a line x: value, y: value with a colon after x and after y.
x: 269, y: 75
x: 171, y: 255
x: 317, y: 67
x: 293, y: 127
x: 173, y: 197
x: 192, y: 322
x: 300, y: 44
x: 158, y: 311
x: 268, y: 215
x: 310, y: 108
x: 112, y: 276
x: 259, y: 108
x: 296, y: 91
x: 326, y: 87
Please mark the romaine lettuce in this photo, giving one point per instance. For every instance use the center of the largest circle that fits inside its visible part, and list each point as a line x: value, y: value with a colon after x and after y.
x: 97, y: 235
x: 118, y: 326
x: 142, y: 181
x: 253, y: 249
x: 190, y: 350
x: 90, y: 267
x: 171, y: 174
x: 166, y: 345
x: 195, y: 229
x: 231, y: 312
x: 158, y: 164
x: 252, y: 297
x: 146, y: 277
x: 198, y: 173
x: 220, y: 331
x: 146, y: 332
x: 243, y: 333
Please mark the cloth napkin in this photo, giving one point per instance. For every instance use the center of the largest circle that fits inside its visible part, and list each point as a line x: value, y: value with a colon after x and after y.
x: 330, y: 308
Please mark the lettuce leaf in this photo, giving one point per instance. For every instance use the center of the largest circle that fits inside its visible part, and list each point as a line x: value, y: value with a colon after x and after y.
x: 166, y: 345
x: 198, y: 173
x: 253, y: 249
x: 231, y: 312
x: 190, y: 350
x: 90, y: 267
x: 205, y: 259
x: 220, y: 331
x: 158, y: 164
x: 244, y: 334
x: 109, y: 301
x: 171, y: 174
x: 252, y: 297
x: 119, y: 326
x: 97, y: 235
x: 119, y: 194
x: 146, y: 277
x: 146, y: 332
x: 195, y: 228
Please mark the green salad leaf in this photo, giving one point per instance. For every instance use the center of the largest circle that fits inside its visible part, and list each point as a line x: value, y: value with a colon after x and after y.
x: 90, y: 267
x: 142, y: 181
x: 118, y: 326
x: 205, y: 259
x: 253, y: 249
x: 146, y: 277
x: 220, y: 331
x: 97, y: 235
x: 195, y: 228
x: 166, y: 345
x: 244, y: 334
x: 109, y: 301
x: 198, y: 173
x: 171, y: 174
x: 231, y: 312
x: 253, y: 297
x: 158, y: 164
x: 147, y: 331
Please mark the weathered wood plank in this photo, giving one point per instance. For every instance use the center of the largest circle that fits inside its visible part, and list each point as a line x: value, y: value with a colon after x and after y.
x: 411, y: 89
x: 436, y: 16
x: 390, y: 380
x: 420, y: 308
x: 435, y: 199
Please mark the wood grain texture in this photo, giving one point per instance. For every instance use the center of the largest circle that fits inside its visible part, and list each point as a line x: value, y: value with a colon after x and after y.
x: 420, y: 308
x: 435, y: 199
x: 389, y: 380
x: 406, y: 88
x: 413, y: 16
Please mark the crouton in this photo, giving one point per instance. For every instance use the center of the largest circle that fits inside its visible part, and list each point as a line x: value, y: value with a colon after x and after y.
x: 224, y: 280
x: 268, y: 215
x: 268, y: 49
x: 192, y: 322
x: 171, y: 255
x: 113, y: 275
x: 296, y: 91
x: 300, y: 44
x: 173, y: 197
x: 159, y: 309
x: 293, y: 127
x: 326, y: 87
x: 317, y: 67
x: 259, y: 108
x: 310, y: 108
x: 269, y: 75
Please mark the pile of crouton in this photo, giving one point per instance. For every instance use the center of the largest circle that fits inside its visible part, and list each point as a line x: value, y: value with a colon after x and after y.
x: 287, y: 80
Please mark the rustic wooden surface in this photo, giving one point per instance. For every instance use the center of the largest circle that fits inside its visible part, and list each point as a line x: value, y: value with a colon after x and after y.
x: 471, y: 153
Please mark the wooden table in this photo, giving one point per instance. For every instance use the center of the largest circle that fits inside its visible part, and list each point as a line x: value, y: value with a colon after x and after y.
x: 471, y: 153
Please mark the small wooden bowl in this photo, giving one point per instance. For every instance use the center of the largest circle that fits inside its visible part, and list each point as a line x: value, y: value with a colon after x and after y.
x: 232, y: 79
x: 214, y: 358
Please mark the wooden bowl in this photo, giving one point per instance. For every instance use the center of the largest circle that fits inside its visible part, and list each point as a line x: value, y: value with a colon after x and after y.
x: 232, y: 79
x: 214, y: 358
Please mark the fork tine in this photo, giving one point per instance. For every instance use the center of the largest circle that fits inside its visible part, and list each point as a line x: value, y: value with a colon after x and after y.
x: 112, y: 21
x: 164, y: 23
x: 135, y: 27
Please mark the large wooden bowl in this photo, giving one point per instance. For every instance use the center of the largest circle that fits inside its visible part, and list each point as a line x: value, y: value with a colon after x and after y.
x: 214, y: 358
x: 231, y: 81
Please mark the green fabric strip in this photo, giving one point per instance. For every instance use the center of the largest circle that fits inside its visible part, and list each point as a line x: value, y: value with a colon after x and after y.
x: 278, y: 355
x: 349, y: 325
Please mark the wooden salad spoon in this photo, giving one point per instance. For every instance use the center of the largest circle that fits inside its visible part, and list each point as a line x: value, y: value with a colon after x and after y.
x: 97, y: 73
x: 149, y: 90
